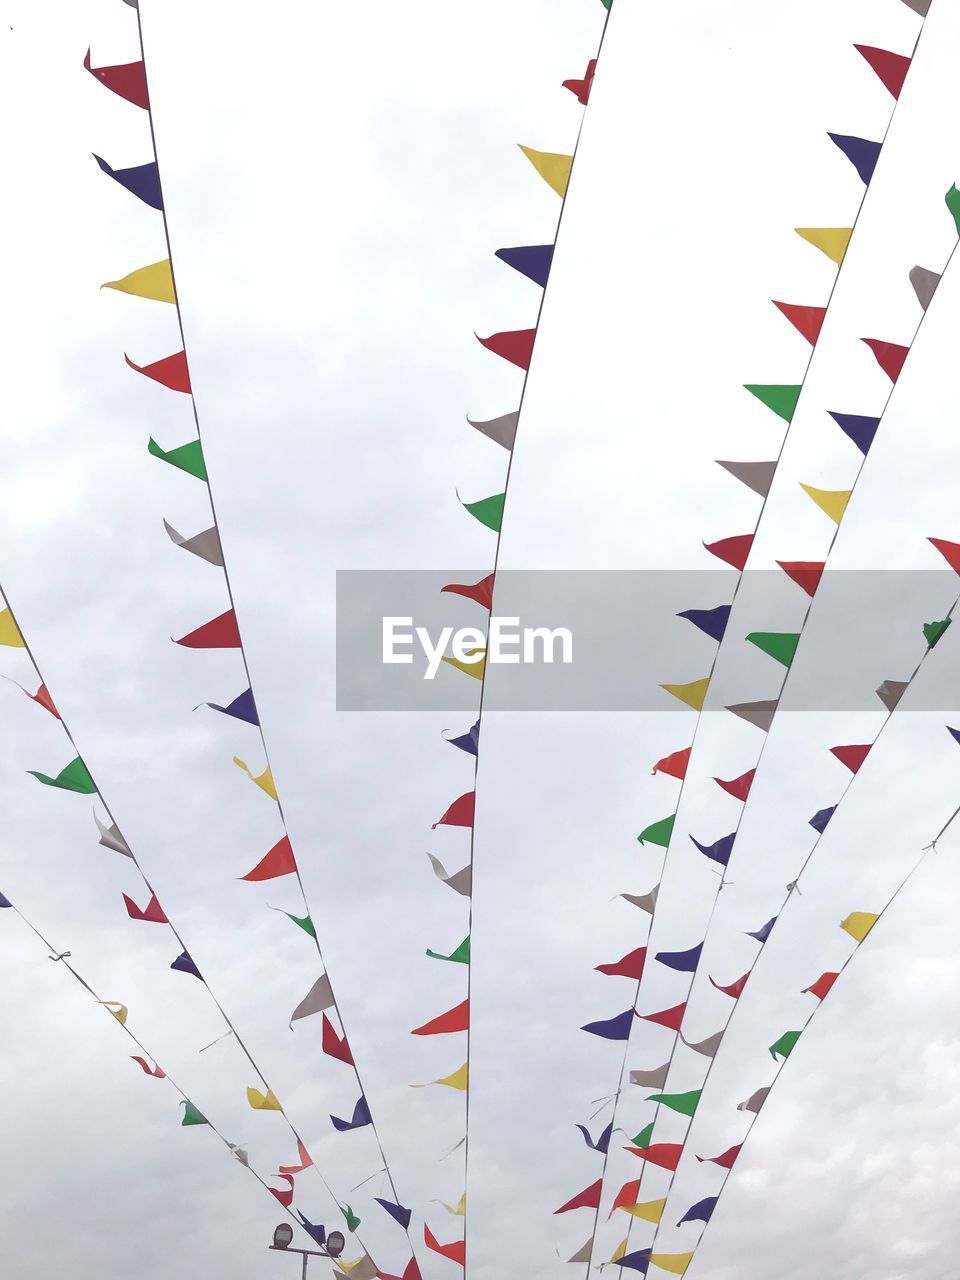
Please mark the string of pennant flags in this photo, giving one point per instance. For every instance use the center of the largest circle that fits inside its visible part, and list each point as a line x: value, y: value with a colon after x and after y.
x: 517, y: 348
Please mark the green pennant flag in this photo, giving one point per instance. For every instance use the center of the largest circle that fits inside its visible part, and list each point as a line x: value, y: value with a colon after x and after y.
x: 461, y: 955
x: 685, y: 1103
x: 305, y: 923
x: 191, y: 1115
x: 644, y: 1137
x: 779, y: 645
x: 932, y: 631
x: 781, y: 399
x: 72, y: 778
x: 953, y: 204
x: 352, y: 1220
x: 489, y: 511
x: 188, y: 457
x: 658, y: 832
x: 784, y: 1046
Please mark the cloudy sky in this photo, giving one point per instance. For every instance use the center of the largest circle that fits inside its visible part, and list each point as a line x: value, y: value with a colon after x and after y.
x: 337, y: 180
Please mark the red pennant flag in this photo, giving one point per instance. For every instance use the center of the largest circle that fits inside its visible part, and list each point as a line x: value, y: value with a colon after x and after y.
x: 891, y: 68
x: 152, y: 912
x: 333, y: 1045
x: 735, y: 989
x: 852, y: 757
x: 218, y: 633
x: 627, y: 1195
x: 285, y: 1197
x: 515, y: 345
x: 306, y: 1160
x: 278, y: 862
x: 675, y: 766
x: 129, y: 80
x: 807, y: 321
x: 670, y: 1018
x: 481, y: 591
x: 43, y: 698
x: 665, y: 1155
x: 822, y: 985
x: 170, y: 372
x: 460, y: 813
x: 805, y: 573
x: 581, y: 88
x: 456, y: 1252
x: 155, y: 1071
x: 456, y: 1019
x: 411, y: 1272
x: 890, y: 356
x: 589, y: 1198
x: 739, y: 788
x: 949, y: 550
x: 726, y: 1160
x: 732, y: 551
x: 631, y: 966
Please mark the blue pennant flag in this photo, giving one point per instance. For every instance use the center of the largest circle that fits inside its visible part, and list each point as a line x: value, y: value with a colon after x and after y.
x: 242, y: 707
x: 711, y: 621
x: 682, y: 961
x: 617, y: 1028
x: 469, y: 741
x: 863, y: 155
x: 396, y: 1211
x: 700, y: 1212
x: 142, y: 181
x: 857, y: 428
x: 720, y: 851
x: 602, y: 1143
x: 183, y: 964
x: 532, y: 261
x: 763, y: 933
x: 821, y: 818
x: 361, y: 1117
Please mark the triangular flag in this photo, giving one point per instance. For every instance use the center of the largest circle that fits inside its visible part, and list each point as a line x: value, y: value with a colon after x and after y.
x: 706, y: 1048
x: 242, y: 707
x: 316, y: 1232
x: 219, y: 633
x: 318, y: 998
x: 206, y: 545
x: 653, y: 1079
x: 757, y: 476
x: 739, y: 788
x: 683, y: 1103
x: 755, y: 1101
x: 620, y: 1250
x: 712, y: 622
x: 645, y: 901
x: 532, y: 261
x: 763, y: 933
x: 514, y: 346
x: 725, y: 1160
x: 334, y: 1046
x: 170, y: 372
x: 675, y: 1263
x: 187, y: 457
x: 459, y: 955
x: 145, y: 1066
x: 603, y: 1141
x: 732, y: 551
x: 701, y: 1211
x: 785, y: 1045
x: 489, y: 511
x: 9, y: 631
x: 918, y: 6
x: 832, y: 241
x: 581, y: 88
x: 781, y: 399
x: 631, y: 966
x: 43, y: 699
x: 924, y: 284
x: 954, y: 733
x: 693, y: 694
x: 460, y: 813
x: 735, y: 989
x: 554, y: 169
x: 396, y: 1211
x: 459, y: 881
x: 617, y: 1028
x: 681, y: 961
x: 468, y: 741
x: 858, y: 428
x: 455, y: 1251
x: 658, y: 832
x: 759, y: 714
x: 584, y: 1253
x: 128, y: 80
x: 779, y: 645
x: 669, y: 1018
x: 665, y: 1155
x: 890, y: 356
x: 934, y: 631
x: 351, y: 1218
x: 853, y: 756
x: 808, y: 321
x: 639, y: 1260
x: 891, y: 691
x: 263, y: 1101
x: 861, y: 153
x: 72, y: 777
x: 952, y: 201
x: 833, y: 502
x: 361, y: 1117
x: 456, y: 1080
x: 152, y: 913
x: 111, y: 838
x: 481, y: 591
x: 285, y: 1197
x: 142, y: 181
x: 502, y: 430
x: 154, y: 282
x: 474, y: 663
x: 821, y: 818
x: 719, y: 851
x: 805, y: 573
x: 674, y: 765
x: 822, y: 986
x: 118, y: 1010
x: 949, y: 550
x: 891, y: 68
x: 589, y: 1198
x: 191, y: 1115
x: 263, y: 780
x: 858, y: 924
x: 279, y: 861
x: 184, y: 964
x: 647, y: 1211
x: 455, y: 1019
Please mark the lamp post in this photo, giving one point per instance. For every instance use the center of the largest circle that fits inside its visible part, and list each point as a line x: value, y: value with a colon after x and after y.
x: 283, y: 1236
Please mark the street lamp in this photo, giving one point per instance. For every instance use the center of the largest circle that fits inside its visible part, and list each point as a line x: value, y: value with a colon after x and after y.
x: 283, y: 1235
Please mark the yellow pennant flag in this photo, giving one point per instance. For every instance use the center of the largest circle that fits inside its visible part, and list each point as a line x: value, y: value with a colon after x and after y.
x: 458, y: 1210
x: 263, y: 1101
x: 675, y: 1263
x: 118, y: 1010
x: 650, y: 1211
x: 264, y: 781
x: 832, y: 241
x: 362, y: 1268
x: 553, y: 169
x: 858, y: 924
x: 473, y: 666
x: 621, y: 1249
x: 9, y: 633
x: 456, y: 1080
x: 155, y: 281
x: 831, y: 501
x: 693, y: 694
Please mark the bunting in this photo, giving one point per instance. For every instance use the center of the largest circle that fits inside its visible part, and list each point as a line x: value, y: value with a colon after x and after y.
x: 455, y: 1251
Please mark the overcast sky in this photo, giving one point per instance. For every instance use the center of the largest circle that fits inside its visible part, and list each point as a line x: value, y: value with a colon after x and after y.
x: 337, y: 181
